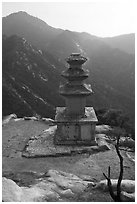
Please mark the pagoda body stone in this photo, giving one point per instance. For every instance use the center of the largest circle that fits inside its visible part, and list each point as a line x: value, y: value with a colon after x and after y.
x: 75, y: 122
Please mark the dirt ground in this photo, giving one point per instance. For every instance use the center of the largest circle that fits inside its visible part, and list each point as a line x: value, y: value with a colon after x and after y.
x: 15, y: 136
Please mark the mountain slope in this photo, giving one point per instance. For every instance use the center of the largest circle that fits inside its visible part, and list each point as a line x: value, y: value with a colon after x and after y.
x: 125, y: 42
x: 30, y: 81
x: 36, y: 31
x: 112, y: 70
x: 40, y: 34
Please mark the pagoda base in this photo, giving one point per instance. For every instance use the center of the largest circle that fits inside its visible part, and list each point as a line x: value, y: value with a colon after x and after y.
x: 75, y: 130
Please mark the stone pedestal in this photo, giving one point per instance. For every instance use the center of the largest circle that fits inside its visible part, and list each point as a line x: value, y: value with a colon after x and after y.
x: 75, y: 130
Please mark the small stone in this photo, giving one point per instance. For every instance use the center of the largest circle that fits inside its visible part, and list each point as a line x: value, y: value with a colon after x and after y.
x: 127, y: 197
x: 66, y: 193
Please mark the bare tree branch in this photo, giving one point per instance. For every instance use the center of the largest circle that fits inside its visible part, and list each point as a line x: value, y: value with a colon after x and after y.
x: 110, y: 184
x: 121, y: 170
x: 116, y: 198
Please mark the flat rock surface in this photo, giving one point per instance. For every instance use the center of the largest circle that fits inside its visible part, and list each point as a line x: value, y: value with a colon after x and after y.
x: 88, y: 166
x: 43, y: 145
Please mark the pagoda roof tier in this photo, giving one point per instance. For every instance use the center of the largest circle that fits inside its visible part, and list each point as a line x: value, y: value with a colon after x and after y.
x: 75, y: 74
x: 70, y: 89
x: 76, y: 58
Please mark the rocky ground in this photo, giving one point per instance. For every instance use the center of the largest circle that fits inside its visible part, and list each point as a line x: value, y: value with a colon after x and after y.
x: 65, y: 178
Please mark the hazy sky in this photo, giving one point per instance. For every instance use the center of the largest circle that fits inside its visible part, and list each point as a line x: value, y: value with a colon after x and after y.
x: 100, y: 18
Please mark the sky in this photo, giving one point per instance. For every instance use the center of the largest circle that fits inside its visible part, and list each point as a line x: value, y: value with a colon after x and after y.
x: 100, y: 18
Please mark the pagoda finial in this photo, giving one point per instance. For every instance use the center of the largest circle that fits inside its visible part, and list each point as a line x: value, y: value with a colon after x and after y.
x: 76, y: 59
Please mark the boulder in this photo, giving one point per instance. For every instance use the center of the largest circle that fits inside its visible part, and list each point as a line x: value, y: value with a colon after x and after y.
x: 67, y: 181
x: 31, y: 118
x: 47, y: 120
x: 65, y: 193
x: 11, y: 192
x: 50, y: 131
x: 102, y: 142
x: 51, y: 187
x: 8, y: 118
x: 126, y: 185
x: 33, y: 194
x: 127, y: 197
x: 18, y: 119
x: 127, y: 142
x: 42, y: 191
x: 131, y: 156
x: 13, y: 115
x: 100, y: 129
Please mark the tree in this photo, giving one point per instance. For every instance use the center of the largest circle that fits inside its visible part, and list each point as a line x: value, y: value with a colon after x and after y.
x: 116, y: 197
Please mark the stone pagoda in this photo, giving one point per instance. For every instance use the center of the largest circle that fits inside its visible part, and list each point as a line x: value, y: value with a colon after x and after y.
x: 75, y: 122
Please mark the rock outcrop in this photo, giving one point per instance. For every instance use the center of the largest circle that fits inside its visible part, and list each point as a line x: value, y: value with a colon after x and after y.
x: 55, y: 186
x: 127, y: 188
x: 8, y: 118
